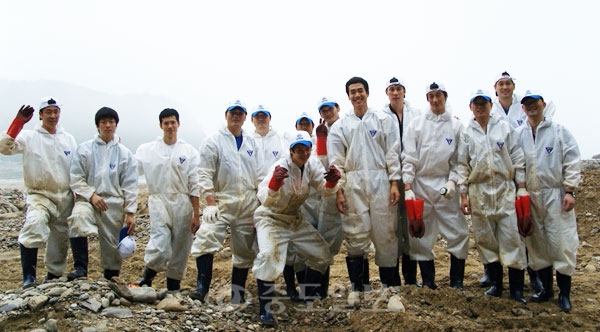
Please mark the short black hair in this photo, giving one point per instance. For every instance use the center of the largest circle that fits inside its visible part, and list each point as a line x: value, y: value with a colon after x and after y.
x: 167, y: 112
x: 355, y: 80
x: 106, y: 113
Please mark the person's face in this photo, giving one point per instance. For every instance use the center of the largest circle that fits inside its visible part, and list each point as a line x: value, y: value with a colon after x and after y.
x: 235, y: 118
x: 50, y: 116
x: 169, y: 125
x: 300, y: 154
x: 504, y: 87
x: 357, y: 95
x: 305, y: 125
x: 330, y: 114
x: 261, y: 121
x: 395, y: 93
x: 481, y: 108
x: 534, y: 108
x: 107, y: 128
x: 437, y: 101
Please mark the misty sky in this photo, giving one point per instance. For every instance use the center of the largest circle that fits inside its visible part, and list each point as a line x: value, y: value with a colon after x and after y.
x: 286, y: 55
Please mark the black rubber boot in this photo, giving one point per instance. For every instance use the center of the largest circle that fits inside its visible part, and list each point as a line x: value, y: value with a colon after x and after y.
x: 324, y: 291
x: 173, y: 284
x: 79, y: 247
x: 147, y: 277
x: 516, y: 279
x: 386, y: 275
x: 409, y: 271
x: 238, y: 285
x: 534, y: 281
x: 51, y: 276
x: 365, y: 275
x: 496, y: 274
x: 266, y: 290
x: 428, y: 273
x: 485, y: 281
x: 204, y: 265
x: 564, y: 286
x: 290, y: 283
x: 28, y: 264
x: 457, y: 272
x: 547, y: 293
x: 108, y: 274
x: 396, y: 281
x: 355, y: 272
x: 313, y: 285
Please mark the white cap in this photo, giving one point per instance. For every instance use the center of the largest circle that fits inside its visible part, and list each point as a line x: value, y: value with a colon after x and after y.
x: 236, y: 104
x: 504, y: 76
x: 393, y: 81
x: 302, y: 116
x: 300, y: 137
x: 260, y: 109
x: 325, y: 101
x: 535, y: 94
x: 480, y: 93
x: 49, y: 101
x: 435, y: 87
x: 126, y: 245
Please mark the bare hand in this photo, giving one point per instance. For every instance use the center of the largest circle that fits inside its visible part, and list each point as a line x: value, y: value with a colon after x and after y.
x: 195, y: 224
x: 465, y: 205
x: 568, y: 203
x: 98, y: 203
x: 129, y: 221
x: 340, y: 202
x: 394, y: 193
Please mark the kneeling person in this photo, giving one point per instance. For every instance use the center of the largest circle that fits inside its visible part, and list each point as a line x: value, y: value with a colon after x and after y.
x: 279, y: 221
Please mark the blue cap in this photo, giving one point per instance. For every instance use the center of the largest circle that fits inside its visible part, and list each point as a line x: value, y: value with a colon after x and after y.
x: 236, y: 104
x: 260, y: 109
x: 480, y: 93
x: 533, y: 94
x: 300, y: 137
x: 123, y: 233
x: 304, y: 116
x: 326, y: 102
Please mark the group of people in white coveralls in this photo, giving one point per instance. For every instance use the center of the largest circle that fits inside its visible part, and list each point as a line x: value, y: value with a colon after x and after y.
x: 392, y: 178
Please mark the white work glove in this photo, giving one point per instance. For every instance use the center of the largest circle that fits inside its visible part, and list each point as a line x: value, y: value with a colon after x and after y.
x: 522, y: 192
x: 448, y: 190
x: 210, y: 214
x: 409, y: 194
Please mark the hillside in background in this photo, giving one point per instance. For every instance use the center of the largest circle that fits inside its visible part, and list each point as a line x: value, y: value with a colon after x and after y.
x: 138, y: 113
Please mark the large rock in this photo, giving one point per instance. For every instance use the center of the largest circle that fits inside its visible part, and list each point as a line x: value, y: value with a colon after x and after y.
x: 143, y: 294
x: 36, y: 302
x: 117, y: 312
x: 171, y: 304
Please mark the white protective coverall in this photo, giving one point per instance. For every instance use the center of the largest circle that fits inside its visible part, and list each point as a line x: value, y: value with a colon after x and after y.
x: 408, y: 114
x: 172, y: 175
x: 552, y: 163
x: 428, y: 161
x: 110, y: 171
x: 489, y: 164
x: 516, y: 117
x: 269, y: 149
x: 279, y: 221
x: 229, y: 175
x: 46, y: 160
x: 366, y: 153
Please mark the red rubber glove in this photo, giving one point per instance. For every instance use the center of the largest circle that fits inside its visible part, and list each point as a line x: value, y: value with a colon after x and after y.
x: 332, y: 176
x: 414, y: 210
x: 526, y: 227
x: 279, y: 174
x: 321, y: 132
x: 23, y: 116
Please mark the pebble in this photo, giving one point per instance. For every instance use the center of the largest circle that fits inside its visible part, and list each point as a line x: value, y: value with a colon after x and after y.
x: 395, y: 304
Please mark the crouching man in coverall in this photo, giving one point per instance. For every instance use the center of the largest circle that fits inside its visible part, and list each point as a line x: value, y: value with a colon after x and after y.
x: 489, y: 164
x: 428, y: 165
x: 228, y: 170
x: 171, y: 168
x: 280, y: 222
x: 104, y: 177
x: 47, y: 151
x: 552, y: 173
